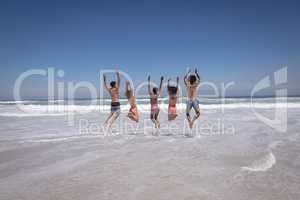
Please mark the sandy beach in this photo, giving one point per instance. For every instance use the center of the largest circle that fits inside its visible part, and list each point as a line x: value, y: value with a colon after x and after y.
x: 44, y: 158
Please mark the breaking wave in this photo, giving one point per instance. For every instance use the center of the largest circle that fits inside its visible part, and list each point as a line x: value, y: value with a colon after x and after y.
x: 24, y: 110
x: 263, y: 164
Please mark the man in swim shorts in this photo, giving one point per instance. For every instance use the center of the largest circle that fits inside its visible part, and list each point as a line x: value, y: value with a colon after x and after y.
x: 154, y: 94
x: 113, y: 90
x: 173, y: 95
x: 192, y: 82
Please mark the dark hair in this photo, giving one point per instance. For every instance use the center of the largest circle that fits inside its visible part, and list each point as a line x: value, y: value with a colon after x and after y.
x: 155, y: 90
x: 192, y: 79
x: 113, y: 83
x: 172, y: 90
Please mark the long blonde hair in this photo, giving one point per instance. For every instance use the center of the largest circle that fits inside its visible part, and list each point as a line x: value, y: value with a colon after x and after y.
x: 128, y: 91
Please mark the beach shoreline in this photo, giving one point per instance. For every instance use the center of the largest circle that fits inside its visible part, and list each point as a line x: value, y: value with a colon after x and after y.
x: 44, y: 158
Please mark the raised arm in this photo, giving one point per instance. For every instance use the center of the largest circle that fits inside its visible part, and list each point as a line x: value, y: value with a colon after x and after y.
x: 160, y: 84
x: 185, y: 77
x: 149, y: 87
x: 118, y: 78
x: 177, y: 85
x: 169, y: 83
x: 198, y: 77
x: 105, y: 84
x: 177, y: 82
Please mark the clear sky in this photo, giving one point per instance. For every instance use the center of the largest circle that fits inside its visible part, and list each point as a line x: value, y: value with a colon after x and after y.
x: 239, y: 41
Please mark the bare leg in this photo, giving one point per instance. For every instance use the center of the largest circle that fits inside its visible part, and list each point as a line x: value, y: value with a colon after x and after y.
x: 156, y: 119
x: 113, y: 118
x: 195, y: 118
x: 191, y: 123
x: 197, y: 115
x: 152, y: 119
x: 188, y: 117
x: 133, y: 117
x: 108, y: 118
x: 154, y: 122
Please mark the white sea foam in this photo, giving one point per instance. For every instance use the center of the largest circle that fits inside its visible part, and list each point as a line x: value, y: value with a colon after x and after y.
x: 60, y: 139
x: 62, y: 108
x: 33, y: 110
x: 14, y: 102
x: 30, y: 114
x: 263, y: 164
x: 87, y: 108
x: 275, y: 144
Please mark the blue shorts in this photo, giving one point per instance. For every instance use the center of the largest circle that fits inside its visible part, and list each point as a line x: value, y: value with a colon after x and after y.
x: 192, y: 104
x: 115, y: 107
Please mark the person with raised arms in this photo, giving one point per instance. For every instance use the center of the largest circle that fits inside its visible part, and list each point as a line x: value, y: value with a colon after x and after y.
x: 192, y: 81
x: 154, y: 94
x: 133, y: 111
x: 113, y: 90
x: 173, y: 95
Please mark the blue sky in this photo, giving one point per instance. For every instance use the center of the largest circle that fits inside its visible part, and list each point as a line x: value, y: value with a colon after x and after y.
x: 240, y: 41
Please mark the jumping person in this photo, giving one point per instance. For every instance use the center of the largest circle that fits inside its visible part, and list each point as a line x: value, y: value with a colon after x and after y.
x: 192, y: 82
x: 133, y: 112
x: 154, y: 94
x: 173, y: 95
x: 113, y: 90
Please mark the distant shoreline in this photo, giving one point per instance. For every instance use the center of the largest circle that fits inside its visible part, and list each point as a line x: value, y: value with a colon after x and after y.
x: 206, y: 97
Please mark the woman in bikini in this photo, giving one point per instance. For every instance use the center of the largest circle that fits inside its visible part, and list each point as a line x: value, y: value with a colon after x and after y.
x: 173, y: 94
x: 154, y: 94
x: 133, y: 112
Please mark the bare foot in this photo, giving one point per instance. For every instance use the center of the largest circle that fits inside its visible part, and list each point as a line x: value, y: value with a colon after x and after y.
x: 104, y: 127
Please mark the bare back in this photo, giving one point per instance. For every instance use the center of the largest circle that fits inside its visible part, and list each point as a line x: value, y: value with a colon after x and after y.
x: 173, y: 98
x: 132, y: 101
x: 114, y: 92
x: 153, y: 99
x: 192, y: 85
x: 192, y: 91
